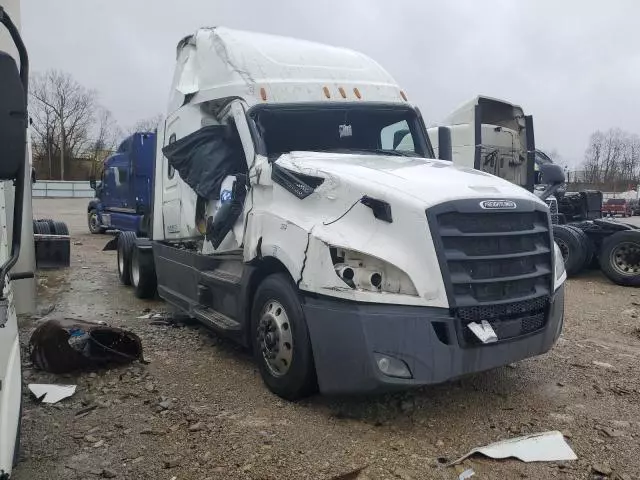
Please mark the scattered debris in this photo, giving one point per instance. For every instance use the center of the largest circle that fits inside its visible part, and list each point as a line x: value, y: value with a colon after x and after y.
x: 49, y: 393
x: 107, y: 473
x: 612, y: 432
x: 172, y: 462
x: 83, y: 412
x: 603, y: 365
x: 352, y: 475
x: 601, y: 469
x: 537, y: 447
x: 468, y: 473
x: 65, y: 345
x: 196, y: 427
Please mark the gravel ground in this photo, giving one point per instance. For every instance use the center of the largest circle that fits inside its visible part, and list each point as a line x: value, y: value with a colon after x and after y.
x: 199, y: 410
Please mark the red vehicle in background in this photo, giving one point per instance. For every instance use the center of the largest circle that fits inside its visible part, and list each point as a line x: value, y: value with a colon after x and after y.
x: 617, y: 206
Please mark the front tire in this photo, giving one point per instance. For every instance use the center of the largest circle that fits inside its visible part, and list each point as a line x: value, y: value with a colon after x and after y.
x: 126, y: 243
x: 94, y: 222
x: 280, y: 339
x: 143, y: 274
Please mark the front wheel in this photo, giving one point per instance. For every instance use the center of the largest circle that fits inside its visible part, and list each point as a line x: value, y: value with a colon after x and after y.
x: 94, y: 222
x: 280, y: 339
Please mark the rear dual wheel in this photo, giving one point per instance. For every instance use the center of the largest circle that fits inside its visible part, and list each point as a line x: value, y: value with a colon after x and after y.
x: 143, y: 273
x: 620, y: 258
x: 572, y: 246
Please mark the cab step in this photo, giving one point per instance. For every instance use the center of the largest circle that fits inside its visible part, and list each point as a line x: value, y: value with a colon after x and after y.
x: 216, y: 320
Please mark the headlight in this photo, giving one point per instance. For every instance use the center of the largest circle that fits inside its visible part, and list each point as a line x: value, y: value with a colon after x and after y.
x: 559, y: 261
x: 364, y: 272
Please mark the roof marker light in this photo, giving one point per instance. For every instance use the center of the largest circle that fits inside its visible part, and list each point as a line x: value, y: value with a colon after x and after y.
x: 342, y: 92
x: 357, y: 93
x: 403, y: 95
x: 326, y: 92
x: 263, y: 94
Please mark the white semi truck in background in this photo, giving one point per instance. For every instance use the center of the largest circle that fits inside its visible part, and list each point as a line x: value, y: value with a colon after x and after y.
x: 495, y: 136
x: 287, y: 216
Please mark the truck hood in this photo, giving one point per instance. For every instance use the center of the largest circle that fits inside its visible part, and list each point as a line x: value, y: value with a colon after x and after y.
x: 426, y: 180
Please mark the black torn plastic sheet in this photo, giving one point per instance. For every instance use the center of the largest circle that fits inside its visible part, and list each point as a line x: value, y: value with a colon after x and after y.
x: 205, y: 158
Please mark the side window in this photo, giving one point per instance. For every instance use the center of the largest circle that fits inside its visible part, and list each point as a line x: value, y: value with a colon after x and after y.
x: 123, y: 175
x: 171, y: 172
x: 397, y: 136
x: 120, y: 175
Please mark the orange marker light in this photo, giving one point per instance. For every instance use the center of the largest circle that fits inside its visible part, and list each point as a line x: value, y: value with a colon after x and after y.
x: 263, y: 94
x: 326, y: 92
x: 342, y: 92
x: 357, y: 93
x: 403, y: 95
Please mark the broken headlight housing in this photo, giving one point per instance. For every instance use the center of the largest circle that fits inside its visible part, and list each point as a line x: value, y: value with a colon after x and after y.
x: 367, y: 273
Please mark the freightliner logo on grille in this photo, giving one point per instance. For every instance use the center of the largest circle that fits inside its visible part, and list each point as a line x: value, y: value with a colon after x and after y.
x: 498, y: 205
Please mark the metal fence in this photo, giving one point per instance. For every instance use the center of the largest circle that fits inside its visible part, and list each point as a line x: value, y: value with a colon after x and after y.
x: 62, y: 189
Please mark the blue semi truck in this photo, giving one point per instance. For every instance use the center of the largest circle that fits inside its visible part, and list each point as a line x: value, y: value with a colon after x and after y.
x: 124, y: 191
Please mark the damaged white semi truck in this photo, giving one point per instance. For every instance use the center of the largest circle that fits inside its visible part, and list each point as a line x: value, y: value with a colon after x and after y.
x: 287, y: 216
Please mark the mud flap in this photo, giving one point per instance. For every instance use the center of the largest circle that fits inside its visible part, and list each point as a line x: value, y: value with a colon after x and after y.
x: 52, y: 251
x: 112, y: 244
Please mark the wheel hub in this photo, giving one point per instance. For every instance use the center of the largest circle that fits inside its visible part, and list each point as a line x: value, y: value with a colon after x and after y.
x: 275, y: 339
x: 625, y: 258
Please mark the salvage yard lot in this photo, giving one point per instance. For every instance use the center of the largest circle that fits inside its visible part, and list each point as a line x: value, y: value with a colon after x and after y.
x: 222, y: 423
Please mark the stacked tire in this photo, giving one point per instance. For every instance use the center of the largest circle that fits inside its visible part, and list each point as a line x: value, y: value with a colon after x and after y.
x: 136, y: 267
x: 50, y: 227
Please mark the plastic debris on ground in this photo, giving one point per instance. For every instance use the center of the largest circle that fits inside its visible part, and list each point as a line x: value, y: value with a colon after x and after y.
x: 66, y: 345
x: 537, y: 447
x: 468, y: 473
x: 48, y: 393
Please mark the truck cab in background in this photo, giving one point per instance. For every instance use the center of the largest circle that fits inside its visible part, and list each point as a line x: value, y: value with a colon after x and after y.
x: 496, y: 136
x: 123, y: 193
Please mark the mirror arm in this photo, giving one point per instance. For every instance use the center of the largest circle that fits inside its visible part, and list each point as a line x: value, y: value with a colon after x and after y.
x: 20, y: 181
x: 549, y: 190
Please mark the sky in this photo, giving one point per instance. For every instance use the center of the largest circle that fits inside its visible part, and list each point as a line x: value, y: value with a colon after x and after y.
x: 572, y: 64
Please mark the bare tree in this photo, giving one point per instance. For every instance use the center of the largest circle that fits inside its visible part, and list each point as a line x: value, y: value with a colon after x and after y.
x: 146, y: 124
x: 104, y: 140
x: 612, y: 159
x: 63, y: 113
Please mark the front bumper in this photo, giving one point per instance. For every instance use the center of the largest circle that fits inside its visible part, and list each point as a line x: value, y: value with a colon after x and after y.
x: 345, y: 336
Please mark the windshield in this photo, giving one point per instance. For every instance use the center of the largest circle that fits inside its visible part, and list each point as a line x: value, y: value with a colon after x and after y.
x: 616, y: 201
x: 380, y: 129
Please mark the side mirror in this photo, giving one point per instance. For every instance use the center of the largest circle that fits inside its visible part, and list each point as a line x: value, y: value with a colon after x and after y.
x: 445, y: 150
x: 92, y: 182
x: 553, y: 177
x: 551, y: 174
x: 13, y: 119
